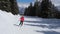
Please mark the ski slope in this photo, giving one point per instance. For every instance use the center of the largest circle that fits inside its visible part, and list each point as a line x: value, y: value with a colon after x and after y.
x: 32, y: 25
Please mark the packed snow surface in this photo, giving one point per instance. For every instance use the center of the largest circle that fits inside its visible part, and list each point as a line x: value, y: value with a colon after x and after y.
x: 32, y: 25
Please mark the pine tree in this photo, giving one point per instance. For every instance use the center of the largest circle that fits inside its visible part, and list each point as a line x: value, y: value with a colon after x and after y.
x: 46, y: 6
x: 30, y: 11
x: 14, y: 7
x: 9, y: 6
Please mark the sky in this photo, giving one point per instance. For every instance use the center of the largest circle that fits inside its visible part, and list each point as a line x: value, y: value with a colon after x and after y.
x: 26, y: 2
x: 56, y: 2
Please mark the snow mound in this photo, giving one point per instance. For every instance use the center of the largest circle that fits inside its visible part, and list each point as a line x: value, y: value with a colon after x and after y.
x: 6, y: 22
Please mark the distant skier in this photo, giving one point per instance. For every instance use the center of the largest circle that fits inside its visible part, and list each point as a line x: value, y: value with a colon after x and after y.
x: 21, y: 20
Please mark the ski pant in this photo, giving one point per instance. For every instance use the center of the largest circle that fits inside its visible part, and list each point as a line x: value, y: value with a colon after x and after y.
x: 21, y: 23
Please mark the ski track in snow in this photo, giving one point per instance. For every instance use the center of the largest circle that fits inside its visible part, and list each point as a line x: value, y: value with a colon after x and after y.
x: 32, y: 25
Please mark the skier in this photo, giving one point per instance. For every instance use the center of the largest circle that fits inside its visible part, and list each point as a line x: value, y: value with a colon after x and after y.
x: 21, y: 20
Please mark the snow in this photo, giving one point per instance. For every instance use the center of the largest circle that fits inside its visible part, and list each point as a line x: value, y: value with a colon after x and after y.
x: 32, y: 25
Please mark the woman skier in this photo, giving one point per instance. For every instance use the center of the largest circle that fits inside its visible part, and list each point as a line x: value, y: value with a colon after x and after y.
x: 21, y: 20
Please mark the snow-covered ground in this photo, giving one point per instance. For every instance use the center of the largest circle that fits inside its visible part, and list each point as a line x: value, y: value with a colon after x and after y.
x: 32, y: 25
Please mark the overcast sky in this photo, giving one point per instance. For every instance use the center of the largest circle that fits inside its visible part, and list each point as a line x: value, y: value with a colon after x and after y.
x: 25, y: 3
x: 56, y: 2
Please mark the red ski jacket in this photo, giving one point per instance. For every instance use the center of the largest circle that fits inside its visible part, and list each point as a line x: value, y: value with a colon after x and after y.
x: 22, y: 18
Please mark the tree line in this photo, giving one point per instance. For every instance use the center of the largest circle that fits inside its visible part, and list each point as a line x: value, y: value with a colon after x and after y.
x: 44, y: 9
x: 9, y: 6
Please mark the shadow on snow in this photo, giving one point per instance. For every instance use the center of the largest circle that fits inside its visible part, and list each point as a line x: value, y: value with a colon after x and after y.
x: 51, y: 24
x: 45, y: 23
x: 49, y: 32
